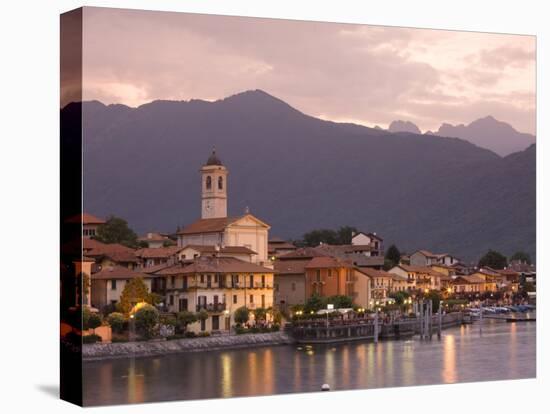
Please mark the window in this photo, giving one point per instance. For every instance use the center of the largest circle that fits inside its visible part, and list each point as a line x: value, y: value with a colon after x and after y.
x: 251, y: 281
x: 202, y: 278
x: 329, y: 272
x: 234, y: 299
x: 173, y: 281
x: 208, y: 183
x: 263, y: 301
x: 203, y: 324
x: 113, y: 284
x: 234, y: 281
x: 293, y: 286
x: 171, y: 299
x: 220, y: 183
x: 318, y: 275
x: 263, y: 281
x: 251, y: 298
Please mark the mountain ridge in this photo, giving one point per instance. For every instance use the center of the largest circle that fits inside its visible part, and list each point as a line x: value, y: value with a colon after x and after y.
x: 298, y: 172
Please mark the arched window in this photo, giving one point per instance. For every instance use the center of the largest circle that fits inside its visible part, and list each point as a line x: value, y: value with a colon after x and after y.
x: 220, y: 183
x: 208, y: 183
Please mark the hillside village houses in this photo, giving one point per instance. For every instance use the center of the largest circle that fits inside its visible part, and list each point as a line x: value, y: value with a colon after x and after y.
x: 220, y: 263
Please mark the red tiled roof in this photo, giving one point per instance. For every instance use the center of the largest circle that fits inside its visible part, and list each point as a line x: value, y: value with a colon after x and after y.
x: 471, y: 279
x: 117, y: 272
x: 153, y: 237
x: 291, y: 267
x: 86, y: 219
x: 208, y: 264
x: 213, y: 225
x: 369, y: 271
x: 158, y: 252
x: 326, y: 262
x: 94, y: 248
x: 225, y: 249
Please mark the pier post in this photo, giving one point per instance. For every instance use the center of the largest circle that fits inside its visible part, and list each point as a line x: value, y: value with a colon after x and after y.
x: 439, y: 322
x: 376, y: 327
x: 480, y: 316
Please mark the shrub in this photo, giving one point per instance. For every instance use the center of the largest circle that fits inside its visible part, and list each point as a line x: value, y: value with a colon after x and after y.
x: 117, y: 338
x: 85, y: 318
x: 275, y: 327
x: 259, y: 314
x: 190, y: 334
x: 203, y: 334
x: 91, y: 339
x: 241, y: 315
x: 116, y: 320
x: 184, y: 319
x: 146, y: 319
x: 94, y: 321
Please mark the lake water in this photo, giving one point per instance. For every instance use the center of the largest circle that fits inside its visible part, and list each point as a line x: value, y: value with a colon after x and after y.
x: 501, y: 351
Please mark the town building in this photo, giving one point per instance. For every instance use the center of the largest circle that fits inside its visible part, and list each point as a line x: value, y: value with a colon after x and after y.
x: 277, y: 247
x: 218, y: 285
x: 108, y: 283
x: 372, y: 240
x: 418, y: 277
x: 331, y: 276
x: 156, y: 240
x: 467, y: 284
x: 290, y: 276
x: 90, y: 224
x: 427, y: 258
x: 153, y: 256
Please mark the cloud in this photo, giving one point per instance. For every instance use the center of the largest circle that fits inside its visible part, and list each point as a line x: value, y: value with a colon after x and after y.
x: 370, y: 74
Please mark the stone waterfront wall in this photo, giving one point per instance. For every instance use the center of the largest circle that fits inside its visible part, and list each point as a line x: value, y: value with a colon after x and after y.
x: 99, y: 351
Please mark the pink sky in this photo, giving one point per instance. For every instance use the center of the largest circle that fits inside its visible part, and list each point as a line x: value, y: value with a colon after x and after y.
x: 369, y: 75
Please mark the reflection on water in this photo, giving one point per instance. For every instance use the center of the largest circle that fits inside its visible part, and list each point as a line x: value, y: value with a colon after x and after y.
x: 501, y: 351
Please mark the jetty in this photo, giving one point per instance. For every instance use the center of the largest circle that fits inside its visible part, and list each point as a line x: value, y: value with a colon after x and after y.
x: 373, y: 328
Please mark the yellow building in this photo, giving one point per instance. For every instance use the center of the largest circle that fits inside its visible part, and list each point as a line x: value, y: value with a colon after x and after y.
x: 218, y: 285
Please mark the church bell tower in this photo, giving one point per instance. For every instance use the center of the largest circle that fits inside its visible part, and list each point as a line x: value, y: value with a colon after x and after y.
x: 214, y: 188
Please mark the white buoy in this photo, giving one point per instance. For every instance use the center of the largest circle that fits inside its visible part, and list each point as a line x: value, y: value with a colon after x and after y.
x: 325, y: 387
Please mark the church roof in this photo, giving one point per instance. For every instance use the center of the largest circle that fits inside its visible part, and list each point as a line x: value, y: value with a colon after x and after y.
x: 211, y: 225
x: 216, y: 225
x: 213, y: 159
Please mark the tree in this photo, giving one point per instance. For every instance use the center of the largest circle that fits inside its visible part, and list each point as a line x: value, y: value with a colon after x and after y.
x: 116, y: 230
x: 134, y: 292
x: 259, y: 314
x: 146, y: 318
x: 241, y: 315
x: 393, y: 256
x: 399, y: 297
x: 327, y: 236
x: 344, y: 234
x: 314, y: 303
x: 94, y: 321
x: 339, y: 301
x: 435, y: 297
x: 184, y: 319
x: 493, y: 259
x: 316, y: 237
x: 521, y: 257
x: 116, y: 320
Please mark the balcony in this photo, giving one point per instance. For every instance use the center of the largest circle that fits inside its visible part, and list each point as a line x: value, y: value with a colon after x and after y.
x: 211, y: 307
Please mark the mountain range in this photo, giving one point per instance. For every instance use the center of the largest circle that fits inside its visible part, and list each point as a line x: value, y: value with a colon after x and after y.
x: 299, y: 173
x: 487, y: 132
